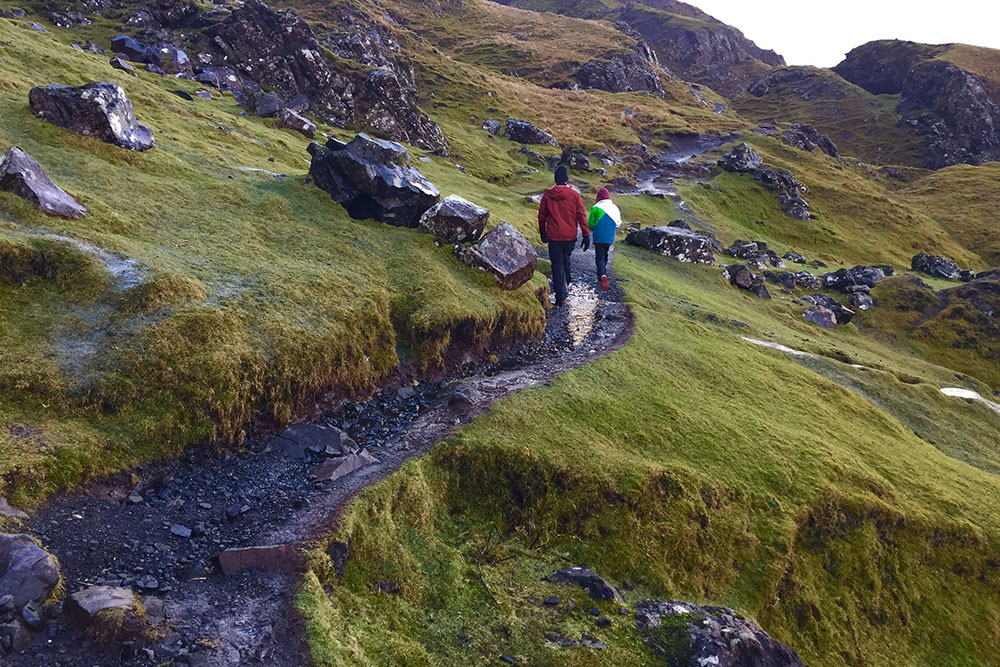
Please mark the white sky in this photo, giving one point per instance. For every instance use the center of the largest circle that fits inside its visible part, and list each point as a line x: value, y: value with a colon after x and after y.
x: 820, y: 32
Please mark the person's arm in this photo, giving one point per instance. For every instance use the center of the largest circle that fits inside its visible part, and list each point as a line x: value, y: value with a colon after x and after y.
x: 595, y: 214
x: 581, y: 215
x: 543, y: 218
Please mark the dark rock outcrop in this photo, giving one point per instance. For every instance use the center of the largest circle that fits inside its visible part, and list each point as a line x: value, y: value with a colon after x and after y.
x: 524, y: 132
x: 371, y: 178
x: 621, y: 73
x: 21, y: 174
x: 128, y: 47
x: 861, y: 301
x: 933, y: 265
x: 98, y: 110
x: 492, y: 126
x: 708, y: 636
x: 741, y: 276
x: 794, y: 257
x: 956, y: 111
x: 808, y: 138
x: 27, y: 572
x: 505, y: 253
x: 743, y: 159
x: 789, y: 191
x: 455, y: 220
x: 847, y: 280
x: 756, y: 253
x: 279, y: 50
x: 807, y: 280
x: 684, y: 245
x: 388, y: 105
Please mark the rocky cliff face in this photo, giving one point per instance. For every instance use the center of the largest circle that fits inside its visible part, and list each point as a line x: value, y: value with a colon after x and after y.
x: 687, y: 41
x: 953, y: 109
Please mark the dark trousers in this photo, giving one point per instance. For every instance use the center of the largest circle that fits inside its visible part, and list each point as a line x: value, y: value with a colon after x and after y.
x: 601, y: 252
x: 559, y: 252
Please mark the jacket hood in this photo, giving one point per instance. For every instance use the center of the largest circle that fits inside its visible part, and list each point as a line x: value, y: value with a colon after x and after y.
x: 560, y: 192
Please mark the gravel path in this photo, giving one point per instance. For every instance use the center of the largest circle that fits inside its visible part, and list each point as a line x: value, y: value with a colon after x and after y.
x: 131, y: 530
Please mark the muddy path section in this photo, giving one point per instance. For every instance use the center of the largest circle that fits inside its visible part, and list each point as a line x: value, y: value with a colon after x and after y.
x: 160, y: 530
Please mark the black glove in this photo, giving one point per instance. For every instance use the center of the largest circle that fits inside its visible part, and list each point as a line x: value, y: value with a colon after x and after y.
x: 545, y: 237
x: 585, y: 243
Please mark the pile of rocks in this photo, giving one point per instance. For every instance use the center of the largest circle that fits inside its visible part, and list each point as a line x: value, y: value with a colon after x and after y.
x: 372, y: 179
x: 756, y: 254
x: 741, y: 276
x: 941, y: 267
x: 808, y: 138
x: 524, y: 132
x: 827, y: 311
x: 743, y: 159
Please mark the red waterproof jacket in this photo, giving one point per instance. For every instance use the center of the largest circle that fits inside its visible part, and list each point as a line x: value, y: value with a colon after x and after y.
x: 561, y: 213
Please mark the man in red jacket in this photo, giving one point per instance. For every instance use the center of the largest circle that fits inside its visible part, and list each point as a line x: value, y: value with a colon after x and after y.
x: 560, y: 214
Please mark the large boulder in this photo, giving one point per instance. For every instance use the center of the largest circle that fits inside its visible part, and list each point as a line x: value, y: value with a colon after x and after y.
x: 371, y: 178
x: 743, y: 159
x: 741, y: 276
x: 298, y: 122
x: 27, y: 572
x: 455, y: 220
x: 524, y: 132
x: 846, y: 280
x: 756, y: 253
x: 936, y: 266
x: 98, y: 110
x: 824, y: 317
x: 505, y: 253
x: 21, y: 174
x: 129, y: 47
x: 685, y: 245
x: 708, y: 636
x: 170, y: 60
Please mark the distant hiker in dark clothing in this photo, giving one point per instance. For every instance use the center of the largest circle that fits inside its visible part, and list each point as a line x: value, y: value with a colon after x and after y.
x: 560, y: 214
x: 604, y: 220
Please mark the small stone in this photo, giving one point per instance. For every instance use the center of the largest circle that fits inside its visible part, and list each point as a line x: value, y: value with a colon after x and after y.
x: 32, y: 618
x: 603, y: 622
x: 148, y: 583
x: 552, y: 600
x: 180, y: 531
x: 135, y: 498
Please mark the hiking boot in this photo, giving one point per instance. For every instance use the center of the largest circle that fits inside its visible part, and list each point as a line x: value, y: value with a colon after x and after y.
x: 604, y: 283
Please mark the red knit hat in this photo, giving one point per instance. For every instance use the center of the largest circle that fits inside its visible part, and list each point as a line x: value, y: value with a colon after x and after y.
x: 603, y: 194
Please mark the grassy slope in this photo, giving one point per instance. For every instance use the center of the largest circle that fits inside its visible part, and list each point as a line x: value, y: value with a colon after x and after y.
x: 694, y: 465
x: 259, y: 292
x: 861, y: 124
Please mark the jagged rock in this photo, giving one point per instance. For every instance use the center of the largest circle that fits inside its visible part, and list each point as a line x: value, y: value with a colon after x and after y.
x: 69, y: 20
x: 274, y: 558
x: 524, y: 132
x: 821, y: 316
x: 386, y: 105
x: 936, y: 266
x: 789, y: 191
x: 455, y: 220
x: 885, y: 269
x: 574, y: 157
x: 861, y: 301
x: 299, y: 123
x: 843, y: 314
x: 280, y: 51
x: 808, y: 138
x: 98, y: 110
x: 27, y: 572
x: 107, y: 614
x: 504, y: 252
x: 966, y: 275
x: 204, y: 94
x: 123, y: 65
x: 128, y: 47
x: 741, y: 276
x: 170, y: 60
x: 88, y: 45
x: 755, y: 252
x: 807, y: 280
x: 783, y: 278
x: 491, y: 126
x: 342, y: 466
x: 259, y: 103
x: 21, y: 174
x: 709, y: 636
x: 846, y: 279
x: 743, y: 159
x: 596, y: 586
x: 622, y: 73
x: 682, y: 244
x: 794, y: 257
x: 371, y: 179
